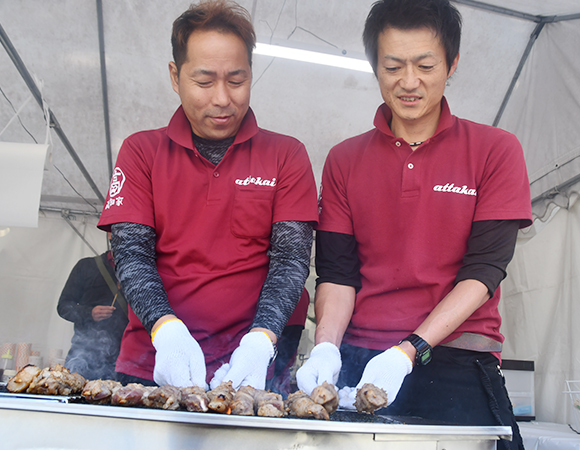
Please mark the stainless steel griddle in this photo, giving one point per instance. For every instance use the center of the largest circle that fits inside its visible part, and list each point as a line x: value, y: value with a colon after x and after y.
x: 42, y: 422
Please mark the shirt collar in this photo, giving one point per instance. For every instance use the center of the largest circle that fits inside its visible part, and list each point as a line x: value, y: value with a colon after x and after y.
x: 179, y: 129
x: 384, y: 115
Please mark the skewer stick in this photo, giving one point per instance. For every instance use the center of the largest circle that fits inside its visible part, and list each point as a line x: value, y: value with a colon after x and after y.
x: 114, y: 298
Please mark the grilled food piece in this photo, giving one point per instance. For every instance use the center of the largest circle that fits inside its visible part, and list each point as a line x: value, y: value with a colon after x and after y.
x: 249, y: 402
x: 369, y: 398
x: 56, y: 380
x: 194, y: 399
x: 326, y: 395
x: 243, y: 402
x: 165, y: 397
x: 133, y: 394
x: 221, y: 397
x: 269, y: 404
x: 299, y: 404
x: 100, y: 391
x: 21, y: 381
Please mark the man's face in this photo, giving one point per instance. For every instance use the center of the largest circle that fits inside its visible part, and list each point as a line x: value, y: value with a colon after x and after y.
x: 412, y: 72
x: 214, y: 83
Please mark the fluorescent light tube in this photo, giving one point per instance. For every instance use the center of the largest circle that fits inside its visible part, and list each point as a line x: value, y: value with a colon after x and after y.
x: 312, y: 57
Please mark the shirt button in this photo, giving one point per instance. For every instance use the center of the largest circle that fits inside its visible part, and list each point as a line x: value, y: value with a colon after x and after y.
x: 216, y: 174
x: 410, y: 165
x: 398, y: 144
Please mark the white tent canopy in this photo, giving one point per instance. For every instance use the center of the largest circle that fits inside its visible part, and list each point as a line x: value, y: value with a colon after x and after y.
x: 100, y: 70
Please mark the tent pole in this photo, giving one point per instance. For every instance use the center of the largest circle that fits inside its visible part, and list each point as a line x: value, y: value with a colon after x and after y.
x: 499, y: 9
x: 13, y: 54
x: 73, y: 212
x: 65, y: 216
x: 104, y: 86
x: 516, y: 76
x: 566, y: 17
x: 253, y: 13
x: 556, y: 190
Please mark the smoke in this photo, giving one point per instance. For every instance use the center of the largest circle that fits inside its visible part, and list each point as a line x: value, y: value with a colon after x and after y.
x: 95, y: 348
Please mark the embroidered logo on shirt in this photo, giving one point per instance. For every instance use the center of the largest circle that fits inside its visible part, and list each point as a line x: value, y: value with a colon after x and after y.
x: 450, y: 187
x: 257, y: 181
x: 114, y: 202
x: 116, y: 182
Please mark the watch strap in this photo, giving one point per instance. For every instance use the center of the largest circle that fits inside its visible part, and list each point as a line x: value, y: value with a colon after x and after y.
x: 424, y: 350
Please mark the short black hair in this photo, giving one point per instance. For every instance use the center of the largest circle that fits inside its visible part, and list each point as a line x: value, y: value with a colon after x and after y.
x: 438, y: 15
x: 224, y: 16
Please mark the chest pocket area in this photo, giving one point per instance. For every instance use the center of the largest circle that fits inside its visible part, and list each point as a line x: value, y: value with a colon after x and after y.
x: 252, y: 213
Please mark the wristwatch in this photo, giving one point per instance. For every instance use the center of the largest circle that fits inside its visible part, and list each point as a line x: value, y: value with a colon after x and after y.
x: 424, y: 350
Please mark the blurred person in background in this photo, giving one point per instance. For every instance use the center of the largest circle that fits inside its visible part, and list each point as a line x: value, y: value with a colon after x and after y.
x: 91, y: 299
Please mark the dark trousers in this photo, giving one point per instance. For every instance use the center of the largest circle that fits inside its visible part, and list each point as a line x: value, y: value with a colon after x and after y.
x: 458, y: 387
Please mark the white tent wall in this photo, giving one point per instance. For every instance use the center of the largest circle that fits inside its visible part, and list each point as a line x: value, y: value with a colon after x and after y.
x: 59, y: 46
x: 320, y: 105
x: 34, y: 266
x: 540, y: 304
x: 540, y: 307
x: 544, y: 107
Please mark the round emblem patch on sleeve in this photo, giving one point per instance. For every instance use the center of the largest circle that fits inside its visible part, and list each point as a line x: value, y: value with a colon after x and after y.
x: 117, y: 182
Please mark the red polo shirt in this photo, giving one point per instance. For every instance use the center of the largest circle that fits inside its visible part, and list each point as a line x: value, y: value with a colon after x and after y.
x: 213, y: 226
x: 411, y: 214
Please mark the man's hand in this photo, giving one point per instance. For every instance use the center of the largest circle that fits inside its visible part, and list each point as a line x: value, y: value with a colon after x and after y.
x: 323, y: 365
x: 101, y: 312
x: 387, y: 370
x: 179, y: 360
x: 248, y: 365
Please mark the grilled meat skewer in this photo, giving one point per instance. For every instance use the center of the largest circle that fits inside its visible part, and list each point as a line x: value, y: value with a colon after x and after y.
x: 369, y: 398
x: 243, y: 402
x: 326, y: 395
x: 299, y: 404
x: 194, y: 399
x: 165, y: 397
x: 56, y: 380
x: 21, y: 381
x: 100, y: 391
x: 269, y: 404
x: 221, y: 397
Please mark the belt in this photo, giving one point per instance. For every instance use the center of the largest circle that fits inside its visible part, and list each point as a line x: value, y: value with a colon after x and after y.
x: 474, y: 342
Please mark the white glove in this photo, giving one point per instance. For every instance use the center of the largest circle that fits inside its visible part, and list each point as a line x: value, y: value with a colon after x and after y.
x: 323, y: 365
x: 179, y: 360
x: 249, y: 362
x: 387, y: 370
x: 347, y: 397
x: 219, y: 375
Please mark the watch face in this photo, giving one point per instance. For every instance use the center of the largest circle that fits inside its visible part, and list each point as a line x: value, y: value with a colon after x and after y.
x: 424, y: 358
x: 424, y: 350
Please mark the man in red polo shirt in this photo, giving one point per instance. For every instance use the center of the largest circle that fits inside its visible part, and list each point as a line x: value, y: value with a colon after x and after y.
x: 418, y: 222
x: 211, y: 219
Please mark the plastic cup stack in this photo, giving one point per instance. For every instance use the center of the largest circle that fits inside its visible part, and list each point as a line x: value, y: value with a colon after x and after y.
x: 7, y: 356
x: 22, y: 355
